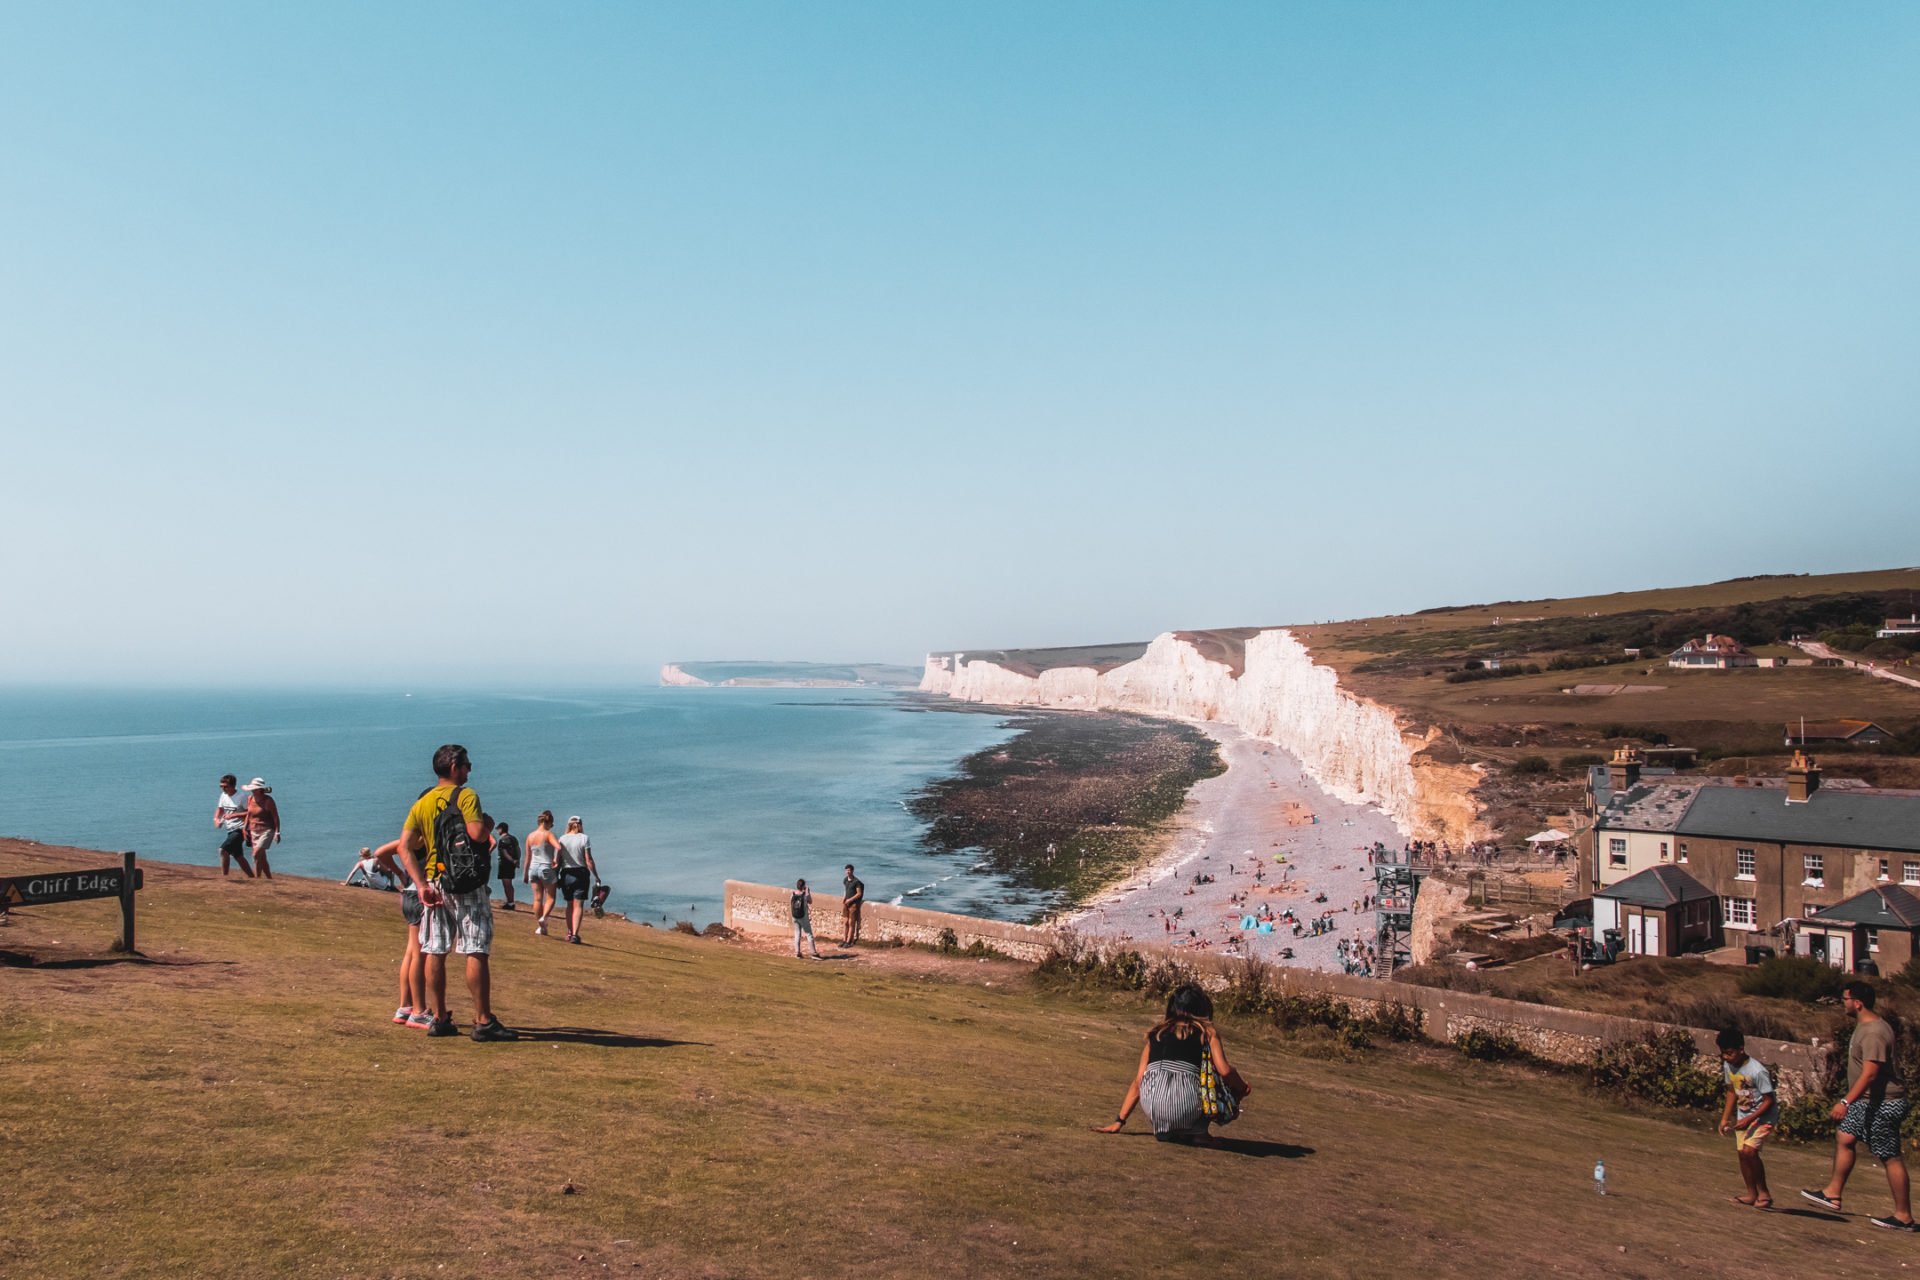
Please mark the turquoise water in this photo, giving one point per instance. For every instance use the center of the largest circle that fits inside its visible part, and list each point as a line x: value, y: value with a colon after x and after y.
x: 681, y: 789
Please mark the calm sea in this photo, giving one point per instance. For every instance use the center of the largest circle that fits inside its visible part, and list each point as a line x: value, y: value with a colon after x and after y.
x: 680, y: 788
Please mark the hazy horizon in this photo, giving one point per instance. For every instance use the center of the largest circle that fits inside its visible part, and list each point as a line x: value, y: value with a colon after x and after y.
x: 509, y: 347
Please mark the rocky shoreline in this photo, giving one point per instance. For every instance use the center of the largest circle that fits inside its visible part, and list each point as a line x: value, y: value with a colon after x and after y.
x: 1073, y: 804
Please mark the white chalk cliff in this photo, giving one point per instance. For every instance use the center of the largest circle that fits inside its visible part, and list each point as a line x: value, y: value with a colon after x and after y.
x: 671, y: 675
x: 1352, y: 746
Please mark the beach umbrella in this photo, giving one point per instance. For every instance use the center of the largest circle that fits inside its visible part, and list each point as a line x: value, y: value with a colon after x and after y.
x: 1549, y: 835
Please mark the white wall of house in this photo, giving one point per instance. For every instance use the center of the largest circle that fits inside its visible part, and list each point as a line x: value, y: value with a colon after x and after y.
x: 1644, y: 849
x: 1606, y: 915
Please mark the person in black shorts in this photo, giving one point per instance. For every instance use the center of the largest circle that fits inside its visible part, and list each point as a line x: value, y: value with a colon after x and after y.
x: 507, y: 849
x: 577, y: 873
x: 230, y: 817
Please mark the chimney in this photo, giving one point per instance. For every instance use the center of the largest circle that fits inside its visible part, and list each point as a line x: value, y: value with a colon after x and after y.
x: 1803, y: 778
x: 1624, y: 769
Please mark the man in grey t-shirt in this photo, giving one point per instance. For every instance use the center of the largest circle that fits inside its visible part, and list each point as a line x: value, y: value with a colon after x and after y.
x: 1872, y: 1111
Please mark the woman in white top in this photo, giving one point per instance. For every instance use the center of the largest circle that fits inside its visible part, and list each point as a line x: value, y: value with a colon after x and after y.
x: 543, y: 849
x: 576, y: 866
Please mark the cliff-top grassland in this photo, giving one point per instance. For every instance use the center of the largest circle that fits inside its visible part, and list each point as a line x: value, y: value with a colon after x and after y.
x: 237, y: 1105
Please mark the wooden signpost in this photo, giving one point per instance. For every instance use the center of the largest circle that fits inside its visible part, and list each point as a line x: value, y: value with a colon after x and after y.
x: 120, y: 882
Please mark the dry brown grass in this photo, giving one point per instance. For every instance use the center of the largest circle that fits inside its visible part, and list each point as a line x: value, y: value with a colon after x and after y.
x: 237, y: 1105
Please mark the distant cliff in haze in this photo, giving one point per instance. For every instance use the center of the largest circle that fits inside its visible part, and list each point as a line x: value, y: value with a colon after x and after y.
x: 790, y: 675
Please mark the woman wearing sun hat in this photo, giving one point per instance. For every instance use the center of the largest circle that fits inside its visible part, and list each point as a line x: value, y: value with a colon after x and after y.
x: 263, y: 823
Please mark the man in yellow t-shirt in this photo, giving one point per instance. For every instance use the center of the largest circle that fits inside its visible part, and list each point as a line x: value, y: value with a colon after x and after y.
x: 451, y: 921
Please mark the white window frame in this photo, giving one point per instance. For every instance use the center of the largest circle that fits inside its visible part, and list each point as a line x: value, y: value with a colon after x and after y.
x: 1683, y: 851
x: 1910, y: 873
x: 1741, y: 913
x: 1815, y: 867
x: 1616, y: 851
x: 1663, y: 851
x: 1743, y: 858
x: 1886, y: 865
x: 1873, y: 939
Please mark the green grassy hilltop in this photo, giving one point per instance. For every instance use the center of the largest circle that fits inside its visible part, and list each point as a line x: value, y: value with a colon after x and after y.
x: 237, y: 1104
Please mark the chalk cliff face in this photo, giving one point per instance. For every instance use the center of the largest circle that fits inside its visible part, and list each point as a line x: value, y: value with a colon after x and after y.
x: 671, y: 674
x: 1353, y: 747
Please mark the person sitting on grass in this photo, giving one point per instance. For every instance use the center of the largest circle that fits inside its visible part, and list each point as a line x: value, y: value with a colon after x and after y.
x: 1750, y: 1115
x: 369, y: 871
x: 1167, y: 1084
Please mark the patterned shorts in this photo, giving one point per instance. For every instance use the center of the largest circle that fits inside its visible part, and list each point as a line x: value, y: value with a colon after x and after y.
x: 1877, y: 1125
x: 463, y: 923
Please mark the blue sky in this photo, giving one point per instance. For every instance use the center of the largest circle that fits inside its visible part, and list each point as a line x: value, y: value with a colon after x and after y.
x: 538, y: 343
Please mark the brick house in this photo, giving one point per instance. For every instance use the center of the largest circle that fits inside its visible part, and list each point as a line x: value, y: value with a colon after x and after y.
x: 1662, y: 911
x: 1876, y: 927
x: 1771, y: 850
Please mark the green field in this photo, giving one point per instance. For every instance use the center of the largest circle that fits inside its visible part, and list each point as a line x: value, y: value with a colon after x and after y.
x: 238, y: 1105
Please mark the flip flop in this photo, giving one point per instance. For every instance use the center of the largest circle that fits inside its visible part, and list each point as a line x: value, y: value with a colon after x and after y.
x: 1820, y: 1198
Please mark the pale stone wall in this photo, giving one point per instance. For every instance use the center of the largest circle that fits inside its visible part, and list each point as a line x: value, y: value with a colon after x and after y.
x: 760, y: 908
x: 1567, y: 1036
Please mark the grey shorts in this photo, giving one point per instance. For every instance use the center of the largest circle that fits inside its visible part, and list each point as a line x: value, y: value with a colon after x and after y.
x: 543, y: 875
x: 463, y: 923
x: 1877, y: 1125
x: 410, y: 909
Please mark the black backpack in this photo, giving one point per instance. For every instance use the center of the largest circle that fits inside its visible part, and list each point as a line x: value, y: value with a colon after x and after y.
x: 465, y: 860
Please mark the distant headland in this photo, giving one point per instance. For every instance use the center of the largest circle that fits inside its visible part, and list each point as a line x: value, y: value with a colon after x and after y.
x: 790, y: 675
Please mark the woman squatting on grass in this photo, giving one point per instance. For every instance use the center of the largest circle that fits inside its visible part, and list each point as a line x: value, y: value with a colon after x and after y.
x: 1167, y: 1085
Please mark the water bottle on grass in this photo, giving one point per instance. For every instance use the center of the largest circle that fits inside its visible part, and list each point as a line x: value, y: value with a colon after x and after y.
x: 1600, y: 1176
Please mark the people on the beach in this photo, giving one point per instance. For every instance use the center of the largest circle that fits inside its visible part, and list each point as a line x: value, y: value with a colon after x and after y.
x: 367, y: 870
x: 1750, y: 1114
x: 577, y: 873
x: 856, y: 894
x: 1872, y: 1111
x: 1167, y: 1085
x: 801, y: 905
x: 230, y: 819
x: 263, y: 824
x: 440, y: 849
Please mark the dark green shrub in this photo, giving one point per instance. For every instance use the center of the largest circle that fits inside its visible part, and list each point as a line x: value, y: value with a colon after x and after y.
x: 1808, y: 1119
x: 1662, y: 1067
x: 1581, y: 760
x: 1531, y: 765
x: 1488, y: 1046
x: 1399, y: 1022
x: 1799, y: 978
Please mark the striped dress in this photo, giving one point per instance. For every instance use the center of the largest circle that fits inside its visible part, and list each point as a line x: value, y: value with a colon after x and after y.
x: 1170, y: 1089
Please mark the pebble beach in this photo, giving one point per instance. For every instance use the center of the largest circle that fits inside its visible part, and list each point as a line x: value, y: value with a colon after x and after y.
x: 1265, y: 815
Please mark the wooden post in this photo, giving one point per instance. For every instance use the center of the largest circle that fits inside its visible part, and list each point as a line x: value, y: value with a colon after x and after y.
x: 126, y: 904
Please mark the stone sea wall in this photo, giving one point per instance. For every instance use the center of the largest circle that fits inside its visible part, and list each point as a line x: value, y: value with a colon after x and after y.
x: 1352, y: 746
x: 1566, y: 1036
x: 761, y: 908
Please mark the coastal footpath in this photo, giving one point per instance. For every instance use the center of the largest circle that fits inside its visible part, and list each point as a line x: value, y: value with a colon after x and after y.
x: 1266, y: 684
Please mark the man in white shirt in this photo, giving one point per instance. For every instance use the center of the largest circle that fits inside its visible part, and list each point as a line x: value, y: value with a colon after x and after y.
x: 230, y: 816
